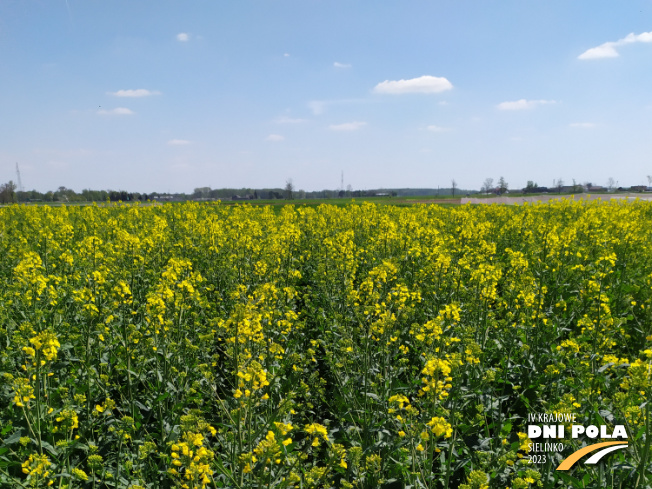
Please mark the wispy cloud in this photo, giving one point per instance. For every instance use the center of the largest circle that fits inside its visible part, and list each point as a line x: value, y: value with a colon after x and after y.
x: 58, y: 153
x: 341, y: 65
x: 422, y: 84
x: 347, y: 126
x: 57, y: 164
x: 523, y: 104
x: 317, y: 106
x: 139, y: 92
x: 286, y: 55
x: 583, y: 125
x: 433, y: 128
x: 288, y: 120
x: 274, y: 138
x: 608, y: 49
x: 178, y: 142
x: 116, y: 111
x: 183, y: 37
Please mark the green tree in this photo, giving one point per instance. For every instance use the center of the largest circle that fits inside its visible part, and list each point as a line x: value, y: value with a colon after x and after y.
x: 8, y: 192
x: 488, y: 185
x: 289, y: 189
x: 503, y: 186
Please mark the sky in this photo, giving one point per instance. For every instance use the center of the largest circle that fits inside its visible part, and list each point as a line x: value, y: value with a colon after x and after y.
x: 171, y: 95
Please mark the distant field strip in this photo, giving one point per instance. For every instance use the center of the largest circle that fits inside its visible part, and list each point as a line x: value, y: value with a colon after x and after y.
x: 552, y: 197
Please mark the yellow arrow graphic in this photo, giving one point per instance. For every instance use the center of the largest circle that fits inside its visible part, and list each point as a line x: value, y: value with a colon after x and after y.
x: 574, y: 457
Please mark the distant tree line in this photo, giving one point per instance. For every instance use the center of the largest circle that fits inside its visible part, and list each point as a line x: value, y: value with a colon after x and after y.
x: 63, y: 194
x: 559, y: 187
x: 9, y: 194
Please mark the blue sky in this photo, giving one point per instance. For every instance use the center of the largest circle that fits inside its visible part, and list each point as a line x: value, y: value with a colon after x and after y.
x: 170, y: 95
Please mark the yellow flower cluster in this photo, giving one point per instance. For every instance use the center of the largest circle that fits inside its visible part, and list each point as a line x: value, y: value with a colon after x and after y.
x: 45, y: 342
x: 436, y: 380
x: 191, y: 460
x: 67, y: 419
x: 268, y: 449
x: 639, y: 376
x: 38, y: 469
x: 250, y: 380
x: 440, y: 427
x: 317, y: 430
x: 23, y: 392
x: 29, y: 274
x: 477, y: 479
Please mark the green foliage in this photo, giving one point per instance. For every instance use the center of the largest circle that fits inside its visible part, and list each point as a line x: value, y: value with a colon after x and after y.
x: 204, y: 345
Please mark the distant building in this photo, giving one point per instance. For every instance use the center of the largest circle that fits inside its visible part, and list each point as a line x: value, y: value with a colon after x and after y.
x: 596, y: 188
x: 638, y: 188
x: 535, y: 190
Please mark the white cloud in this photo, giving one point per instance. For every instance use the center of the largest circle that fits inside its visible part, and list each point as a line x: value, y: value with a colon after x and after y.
x: 139, y: 92
x: 422, y: 84
x: 347, y: 126
x: 317, y: 106
x: 341, y: 65
x: 116, y: 111
x: 608, y: 49
x: 288, y: 120
x: 584, y: 125
x: 523, y: 104
x: 274, y: 138
x: 183, y: 37
x: 434, y: 128
x: 286, y: 55
x: 178, y: 142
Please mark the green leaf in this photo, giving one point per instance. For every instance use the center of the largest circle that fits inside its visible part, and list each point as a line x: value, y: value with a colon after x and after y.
x: 13, y: 438
x: 569, y: 479
x: 53, y: 451
x: 162, y: 397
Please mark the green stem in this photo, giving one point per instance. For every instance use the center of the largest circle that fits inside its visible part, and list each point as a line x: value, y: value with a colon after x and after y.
x: 38, y: 400
x: 450, y: 453
x: 13, y: 481
x: 646, y: 450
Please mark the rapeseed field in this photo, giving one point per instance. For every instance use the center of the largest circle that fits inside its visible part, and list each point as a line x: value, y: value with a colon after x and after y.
x: 204, y: 346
